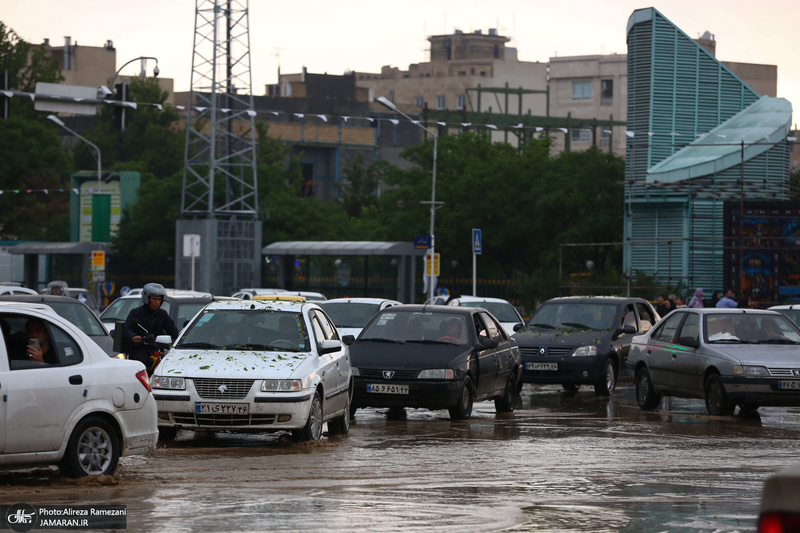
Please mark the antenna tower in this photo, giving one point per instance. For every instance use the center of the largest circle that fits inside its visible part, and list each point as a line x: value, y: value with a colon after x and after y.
x: 219, y: 199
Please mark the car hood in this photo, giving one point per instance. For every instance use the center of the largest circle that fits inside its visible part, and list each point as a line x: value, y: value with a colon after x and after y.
x: 369, y: 354
x: 773, y: 355
x: 559, y: 337
x: 239, y: 364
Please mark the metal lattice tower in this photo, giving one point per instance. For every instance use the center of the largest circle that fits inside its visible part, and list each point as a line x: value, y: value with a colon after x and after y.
x: 219, y: 199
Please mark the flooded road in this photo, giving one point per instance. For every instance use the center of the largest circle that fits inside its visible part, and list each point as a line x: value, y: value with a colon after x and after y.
x: 559, y: 463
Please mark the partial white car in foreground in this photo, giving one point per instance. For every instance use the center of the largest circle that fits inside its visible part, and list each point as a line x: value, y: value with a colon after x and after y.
x: 780, y: 505
x: 350, y: 315
x: 83, y: 410
x: 503, y: 311
x: 256, y: 365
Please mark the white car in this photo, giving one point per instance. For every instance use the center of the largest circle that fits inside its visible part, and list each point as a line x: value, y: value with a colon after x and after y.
x: 792, y: 312
x: 247, y: 294
x: 256, y: 365
x: 15, y: 290
x: 503, y: 311
x: 81, y: 409
x: 350, y: 315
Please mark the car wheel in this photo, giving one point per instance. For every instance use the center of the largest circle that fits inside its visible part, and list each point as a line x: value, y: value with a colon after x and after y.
x: 505, y: 403
x: 93, y: 449
x: 607, y: 381
x: 463, y: 407
x: 313, y: 428
x: 167, y: 433
x: 646, y: 397
x: 717, y: 401
x: 571, y: 388
x: 341, y: 425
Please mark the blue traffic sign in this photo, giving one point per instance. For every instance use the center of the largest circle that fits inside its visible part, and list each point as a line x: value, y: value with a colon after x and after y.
x: 422, y: 241
x: 477, y: 241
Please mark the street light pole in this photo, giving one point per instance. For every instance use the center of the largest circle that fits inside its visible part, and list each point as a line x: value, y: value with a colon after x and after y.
x: 390, y: 105
x: 96, y: 149
x: 155, y: 70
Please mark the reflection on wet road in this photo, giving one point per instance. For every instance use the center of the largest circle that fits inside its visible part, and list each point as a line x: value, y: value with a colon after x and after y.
x: 559, y: 463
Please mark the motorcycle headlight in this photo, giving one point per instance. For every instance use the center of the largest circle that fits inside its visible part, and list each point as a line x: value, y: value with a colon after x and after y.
x: 164, y: 382
x: 746, y: 370
x: 585, y: 351
x: 436, y: 373
x: 281, y: 385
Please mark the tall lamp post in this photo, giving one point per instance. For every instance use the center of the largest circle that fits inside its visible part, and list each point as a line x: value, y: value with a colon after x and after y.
x: 155, y: 70
x: 390, y: 105
x: 96, y: 149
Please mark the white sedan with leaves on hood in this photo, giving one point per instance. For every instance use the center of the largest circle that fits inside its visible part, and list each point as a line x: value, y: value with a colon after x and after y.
x: 256, y: 365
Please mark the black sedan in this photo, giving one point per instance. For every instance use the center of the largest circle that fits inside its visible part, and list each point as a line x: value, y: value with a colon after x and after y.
x: 578, y: 341
x: 435, y: 357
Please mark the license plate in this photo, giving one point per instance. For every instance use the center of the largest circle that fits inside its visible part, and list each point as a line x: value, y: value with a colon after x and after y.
x: 203, y: 408
x: 541, y: 366
x: 789, y: 385
x: 383, y: 388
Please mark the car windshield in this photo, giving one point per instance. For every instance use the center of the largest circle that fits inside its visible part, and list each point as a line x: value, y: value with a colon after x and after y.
x: 502, y: 311
x: 349, y: 314
x: 120, y: 308
x: 791, y: 314
x: 418, y: 326
x: 244, y: 329
x: 80, y: 316
x: 83, y: 297
x: 186, y: 311
x: 750, y: 328
x: 574, y: 315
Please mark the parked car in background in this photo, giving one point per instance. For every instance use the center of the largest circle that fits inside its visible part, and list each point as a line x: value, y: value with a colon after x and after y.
x: 436, y: 300
x: 728, y: 357
x: 792, y: 312
x: 15, y: 290
x: 256, y: 365
x: 180, y: 305
x: 435, y: 357
x: 577, y: 341
x: 75, y: 312
x: 247, y: 294
x: 780, y: 507
x: 60, y: 288
x: 503, y: 311
x: 82, y: 411
x: 350, y: 315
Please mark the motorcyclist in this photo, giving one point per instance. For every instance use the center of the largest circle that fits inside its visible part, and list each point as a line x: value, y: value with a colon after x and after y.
x: 144, y: 324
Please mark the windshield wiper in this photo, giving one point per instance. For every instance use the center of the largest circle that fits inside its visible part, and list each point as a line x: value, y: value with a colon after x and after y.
x: 777, y: 341
x: 246, y: 346
x: 546, y: 326
x: 384, y: 340
x: 206, y: 345
x: 430, y: 341
x: 576, y: 325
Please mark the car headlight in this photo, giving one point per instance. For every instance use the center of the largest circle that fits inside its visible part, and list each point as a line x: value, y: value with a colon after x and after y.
x: 585, y: 351
x: 164, y: 382
x: 355, y: 371
x: 281, y: 385
x: 436, y: 373
x: 745, y: 370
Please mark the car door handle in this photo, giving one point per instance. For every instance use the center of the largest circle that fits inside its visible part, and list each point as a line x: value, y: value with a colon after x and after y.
x: 76, y: 380
x: 674, y: 356
x: 648, y: 352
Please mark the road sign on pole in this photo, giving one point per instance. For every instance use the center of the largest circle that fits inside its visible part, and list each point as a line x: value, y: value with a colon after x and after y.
x: 422, y: 241
x: 191, y: 248
x: 477, y: 248
x: 435, y: 264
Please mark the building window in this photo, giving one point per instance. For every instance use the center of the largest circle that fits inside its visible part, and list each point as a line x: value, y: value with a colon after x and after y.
x: 440, y: 101
x: 472, y: 71
x: 496, y: 52
x: 418, y: 101
x: 581, y: 135
x: 460, y: 101
x: 605, y: 134
x: 462, y: 72
x: 581, y: 90
x: 483, y: 73
x: 606, y: 92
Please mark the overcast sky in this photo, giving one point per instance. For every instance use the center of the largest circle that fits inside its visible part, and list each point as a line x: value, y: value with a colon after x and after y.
x: 335, y: 36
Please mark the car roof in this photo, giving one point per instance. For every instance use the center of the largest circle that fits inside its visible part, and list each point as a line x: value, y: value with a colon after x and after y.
x: 468, y: 299
x: 280, y: 297
x: 10, y: 303
x: 786, y: 306
x: 445, y: 309
x: 596, y: 299
x: 272, y: 305
x: 42, y: 298
x: 358, y: 300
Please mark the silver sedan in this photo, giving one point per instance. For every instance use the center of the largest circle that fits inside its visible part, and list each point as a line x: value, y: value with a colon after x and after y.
x: 728, y: 357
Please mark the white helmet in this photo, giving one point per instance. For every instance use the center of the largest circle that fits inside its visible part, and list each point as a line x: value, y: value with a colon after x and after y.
x: 153, y: 289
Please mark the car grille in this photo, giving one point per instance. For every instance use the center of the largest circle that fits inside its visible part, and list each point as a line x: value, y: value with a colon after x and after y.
x: 785, y: 372
x: 551, y: 350
x: 398, y: 374
x: 235, y: 389
x: 191, y: 419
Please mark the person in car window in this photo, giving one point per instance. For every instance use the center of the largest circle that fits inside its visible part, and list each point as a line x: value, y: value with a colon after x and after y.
x: 145, y: 323
x: 288, y: 328
x: 455, y: 330
x: 36, y: 329
x: 770, y: 329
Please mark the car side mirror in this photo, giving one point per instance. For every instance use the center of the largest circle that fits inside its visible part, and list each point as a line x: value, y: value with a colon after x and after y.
x: 487, y: 344
x: 348, y: 339
x: 164, y: 339
x: 690, y: 342
x: 519, y: 326
x: 627, y: 329
x: 329, y: 346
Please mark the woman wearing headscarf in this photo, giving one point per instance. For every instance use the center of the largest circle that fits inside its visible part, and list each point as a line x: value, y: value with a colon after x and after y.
x: 697, y: 299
